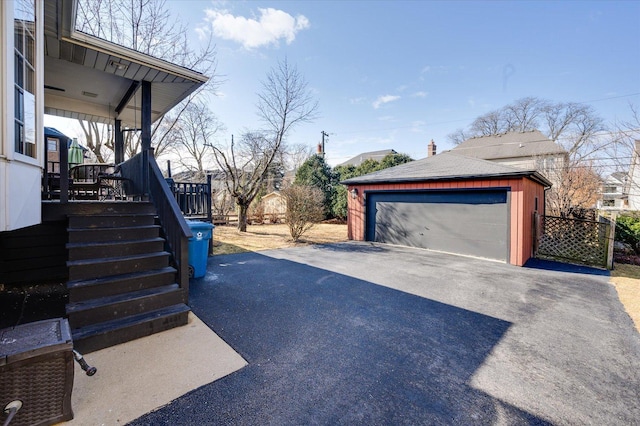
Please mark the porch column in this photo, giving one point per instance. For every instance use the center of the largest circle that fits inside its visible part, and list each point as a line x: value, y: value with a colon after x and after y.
x: 118, y: 142
x: 145, y: 118
x: 146, y: 115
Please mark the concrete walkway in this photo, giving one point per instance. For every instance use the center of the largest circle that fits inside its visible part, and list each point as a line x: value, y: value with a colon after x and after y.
x: 358, y: 333
x: 139, y: 376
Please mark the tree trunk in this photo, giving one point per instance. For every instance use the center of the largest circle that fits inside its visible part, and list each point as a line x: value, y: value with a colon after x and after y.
x: 242, y: 217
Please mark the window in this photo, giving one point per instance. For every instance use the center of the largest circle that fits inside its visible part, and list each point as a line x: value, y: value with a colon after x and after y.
x: 52, y: 144
x: 24, y: 77
x: 608, y: 203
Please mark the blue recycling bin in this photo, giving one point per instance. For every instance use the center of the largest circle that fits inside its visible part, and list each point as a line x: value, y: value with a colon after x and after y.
x: 199, y: 247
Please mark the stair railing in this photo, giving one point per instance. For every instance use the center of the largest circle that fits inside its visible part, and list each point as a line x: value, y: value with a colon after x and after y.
x: 176, y: 230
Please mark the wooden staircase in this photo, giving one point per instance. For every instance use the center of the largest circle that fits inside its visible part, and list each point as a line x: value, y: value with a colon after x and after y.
x: 121, y: 282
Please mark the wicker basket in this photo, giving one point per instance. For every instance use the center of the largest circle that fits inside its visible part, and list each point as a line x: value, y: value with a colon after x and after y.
x: 36, y: 367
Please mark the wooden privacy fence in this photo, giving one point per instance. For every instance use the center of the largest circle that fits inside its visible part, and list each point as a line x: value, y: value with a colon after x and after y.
x: 574, y: 240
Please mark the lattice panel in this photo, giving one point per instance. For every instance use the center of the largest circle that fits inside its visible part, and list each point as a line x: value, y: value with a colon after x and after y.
x: 575, y: 240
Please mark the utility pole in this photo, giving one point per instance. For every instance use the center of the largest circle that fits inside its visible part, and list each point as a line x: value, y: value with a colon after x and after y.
x: 324, y: 134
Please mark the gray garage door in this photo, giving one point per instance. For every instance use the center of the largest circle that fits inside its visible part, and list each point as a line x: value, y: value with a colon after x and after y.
x: 467, y: 222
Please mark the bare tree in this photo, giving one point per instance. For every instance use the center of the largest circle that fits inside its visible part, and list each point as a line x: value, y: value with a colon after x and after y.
x: 578, y: 191
x: 98, y: 139
x: 296, y: 154
x: 522, y: 115
x: 575, y: 127
x: 458, y: 136
x: 490, y: 123
x: 146, y: 26
x: 194, y: 134
x: 284, y: 102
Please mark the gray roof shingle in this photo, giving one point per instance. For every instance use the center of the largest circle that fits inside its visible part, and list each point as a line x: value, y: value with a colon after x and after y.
x: 509, y: 145
x: 445, y: 166
x: 374, y: 155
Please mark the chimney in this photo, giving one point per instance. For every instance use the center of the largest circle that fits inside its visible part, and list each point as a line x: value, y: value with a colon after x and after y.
x: 431, y: 149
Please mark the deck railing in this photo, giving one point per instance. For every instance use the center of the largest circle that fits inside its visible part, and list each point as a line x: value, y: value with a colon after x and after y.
x: 177, y: 232
x: 194, y: 199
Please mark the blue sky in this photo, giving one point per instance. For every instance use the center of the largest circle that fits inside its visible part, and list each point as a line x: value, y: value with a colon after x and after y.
x: 396, y: 74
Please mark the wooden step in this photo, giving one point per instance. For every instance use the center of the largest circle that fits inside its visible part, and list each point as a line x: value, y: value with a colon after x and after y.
x: 110, y: 333
x: 128, y: 233
x: 114, y: 220
x: 111, y: 285
x: 82, y: 314
x: 95, y: 268
x: 105, y: 249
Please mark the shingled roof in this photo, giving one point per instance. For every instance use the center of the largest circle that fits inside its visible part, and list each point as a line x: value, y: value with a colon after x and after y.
x: 509, y: 145
x: 373, y: 155
x: 445, y: 166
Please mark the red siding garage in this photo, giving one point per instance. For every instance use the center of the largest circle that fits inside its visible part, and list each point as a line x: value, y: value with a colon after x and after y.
x: 449, y: 203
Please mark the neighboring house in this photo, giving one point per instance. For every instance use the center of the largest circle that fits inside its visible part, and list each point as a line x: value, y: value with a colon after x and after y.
x: 621, y: 191
x: 524, y: 150
x: 274, y: 204
x: 634, y: 178
x: 449, y: 202
x: 124, y: 260
x: 373, y: 155
x: 615, y: 192
x: 53, y: 139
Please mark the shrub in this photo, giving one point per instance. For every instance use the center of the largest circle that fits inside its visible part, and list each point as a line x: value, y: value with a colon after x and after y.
x: 274, y: 218
x: 305, y: 207
x: 257, y: 212
x: 628, y: 230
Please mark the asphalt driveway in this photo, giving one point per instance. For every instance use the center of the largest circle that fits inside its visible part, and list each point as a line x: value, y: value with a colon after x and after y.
x: 358, y: 333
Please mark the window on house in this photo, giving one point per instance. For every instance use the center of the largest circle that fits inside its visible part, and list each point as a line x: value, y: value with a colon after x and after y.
x: 608, y: 203
x: 609, y: 189
x: 52, y: 144
x: 24, y: 78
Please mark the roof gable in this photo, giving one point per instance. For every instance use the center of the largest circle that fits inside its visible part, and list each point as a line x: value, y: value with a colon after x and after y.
x: 509, y: 145
x: 445, y: 166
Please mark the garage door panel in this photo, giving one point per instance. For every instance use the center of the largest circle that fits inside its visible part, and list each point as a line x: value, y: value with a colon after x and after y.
x: 442, y: 222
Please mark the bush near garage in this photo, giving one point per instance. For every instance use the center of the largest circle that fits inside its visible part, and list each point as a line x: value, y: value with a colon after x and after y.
x: 628, y: 231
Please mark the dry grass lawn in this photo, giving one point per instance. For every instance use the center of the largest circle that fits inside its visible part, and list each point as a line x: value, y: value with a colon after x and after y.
x: 227, y: 240
x: 626, y: 279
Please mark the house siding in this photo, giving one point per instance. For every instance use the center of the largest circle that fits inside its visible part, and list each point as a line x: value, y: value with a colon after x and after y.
x: 523, y: 193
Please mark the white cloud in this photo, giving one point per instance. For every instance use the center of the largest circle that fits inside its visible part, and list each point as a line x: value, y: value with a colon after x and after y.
x: 357, y: 101
x: 417, y: 126
x: 420, y: 94
x: 269, y: 28
x: 384, y: 100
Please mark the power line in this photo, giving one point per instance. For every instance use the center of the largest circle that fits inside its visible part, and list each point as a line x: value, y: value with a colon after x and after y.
x: 611, y: 97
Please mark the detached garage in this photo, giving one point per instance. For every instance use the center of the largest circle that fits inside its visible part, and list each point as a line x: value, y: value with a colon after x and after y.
x: 449, y: 203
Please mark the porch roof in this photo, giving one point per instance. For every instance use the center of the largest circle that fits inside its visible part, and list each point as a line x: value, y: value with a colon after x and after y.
x: 92, y: 79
